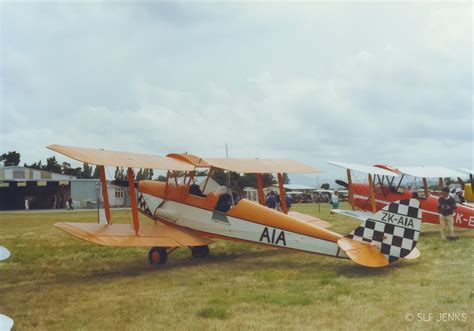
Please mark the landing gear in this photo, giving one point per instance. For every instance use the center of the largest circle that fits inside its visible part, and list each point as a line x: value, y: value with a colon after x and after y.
x: 158, y: 255
x: 200, y: 251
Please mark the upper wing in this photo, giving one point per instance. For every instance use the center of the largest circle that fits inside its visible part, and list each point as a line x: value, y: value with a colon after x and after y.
x: 180, y: 162
x: 430, y: 172
x: 122, y: 159
x: 357, y: 214
x: 150, y: 235
x: 364, y: 168
x: 467, y: 171
x: 261, y: 166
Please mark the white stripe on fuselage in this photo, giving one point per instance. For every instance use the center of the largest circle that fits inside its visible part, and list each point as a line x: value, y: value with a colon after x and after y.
x: 202, y: 220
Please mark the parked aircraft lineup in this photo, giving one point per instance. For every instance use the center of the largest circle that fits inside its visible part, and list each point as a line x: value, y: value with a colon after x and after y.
x: 184, y: 216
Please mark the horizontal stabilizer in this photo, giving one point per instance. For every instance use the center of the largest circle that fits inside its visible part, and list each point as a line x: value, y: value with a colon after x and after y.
x: 357, y: 214
x: 414, y: 254
x: 363, y: 253
x: 150, y: 235
x: 309, y: 219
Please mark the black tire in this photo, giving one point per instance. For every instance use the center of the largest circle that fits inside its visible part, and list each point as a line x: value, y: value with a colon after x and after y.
x: 200, y: 251
x: 157, y: 255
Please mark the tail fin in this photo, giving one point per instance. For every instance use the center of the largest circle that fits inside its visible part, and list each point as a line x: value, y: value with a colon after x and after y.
x: 394, y: 230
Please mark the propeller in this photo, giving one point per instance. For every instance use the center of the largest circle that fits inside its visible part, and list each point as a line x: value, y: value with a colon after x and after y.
x: 342, y: 183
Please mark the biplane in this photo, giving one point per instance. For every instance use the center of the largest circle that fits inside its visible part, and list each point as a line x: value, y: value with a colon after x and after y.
x: 186, y: 217
x: 384, y: 185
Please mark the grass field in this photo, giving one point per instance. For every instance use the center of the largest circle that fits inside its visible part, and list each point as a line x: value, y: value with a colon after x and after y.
x: 56, y: 282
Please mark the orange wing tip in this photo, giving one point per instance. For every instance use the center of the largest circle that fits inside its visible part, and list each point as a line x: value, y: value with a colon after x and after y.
x: 415, y: 253
x: 362, y: 253
x: 123, y: 235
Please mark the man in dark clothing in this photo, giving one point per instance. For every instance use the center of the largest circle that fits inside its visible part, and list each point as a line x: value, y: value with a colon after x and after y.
x: 194, y: 189
x: 446, y: 207
x: 288, y: 202
x: 271, y: 200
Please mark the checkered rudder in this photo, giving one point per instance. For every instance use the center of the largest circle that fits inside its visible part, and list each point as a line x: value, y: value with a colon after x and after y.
x: 394, y: 229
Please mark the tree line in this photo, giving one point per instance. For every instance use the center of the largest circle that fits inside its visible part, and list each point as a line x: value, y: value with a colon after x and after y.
x: 87, y: 171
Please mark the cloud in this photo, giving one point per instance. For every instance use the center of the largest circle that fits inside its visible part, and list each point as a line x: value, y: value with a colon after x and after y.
x: 367, y: 83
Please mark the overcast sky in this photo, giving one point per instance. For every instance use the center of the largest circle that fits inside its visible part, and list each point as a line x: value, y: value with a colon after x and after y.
x: 369, y: 83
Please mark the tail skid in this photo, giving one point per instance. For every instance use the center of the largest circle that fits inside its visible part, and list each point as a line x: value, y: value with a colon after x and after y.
x: 390, y: 234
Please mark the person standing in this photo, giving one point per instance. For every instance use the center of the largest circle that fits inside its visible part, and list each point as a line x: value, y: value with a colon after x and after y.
x: 334, y: 201
x: 446, y: 207
x: 70, y: 204
x: 288, y: 202
x: 27, y: 204
x: 277, y: 202
x: 271, y: 200
x: 459, y: 196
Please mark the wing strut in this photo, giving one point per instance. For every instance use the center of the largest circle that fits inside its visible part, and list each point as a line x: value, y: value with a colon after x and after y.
x: 105, y: 195
x: 372, y: 194
x: 284, y: 207
x: 261, y: 196
x: 349, y: 187
x: 425, y: 187
x: 441, y: 183
x: 133, y: 199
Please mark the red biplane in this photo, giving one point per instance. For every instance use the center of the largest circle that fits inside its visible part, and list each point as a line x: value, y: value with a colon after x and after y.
x: 384, y: 186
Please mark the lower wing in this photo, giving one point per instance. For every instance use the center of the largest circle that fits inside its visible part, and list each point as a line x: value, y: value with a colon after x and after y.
x: 157, y: 234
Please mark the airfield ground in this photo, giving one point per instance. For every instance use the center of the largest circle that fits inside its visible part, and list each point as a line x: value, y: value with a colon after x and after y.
x: 56, y: 282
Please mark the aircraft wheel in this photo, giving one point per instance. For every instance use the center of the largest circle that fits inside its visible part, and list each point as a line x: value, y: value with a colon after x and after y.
x: 158, y: 255
x: 200, y: 251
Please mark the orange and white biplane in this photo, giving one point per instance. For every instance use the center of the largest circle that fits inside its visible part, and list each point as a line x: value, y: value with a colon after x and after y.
x: 185, y: 217
x: 384, y: 186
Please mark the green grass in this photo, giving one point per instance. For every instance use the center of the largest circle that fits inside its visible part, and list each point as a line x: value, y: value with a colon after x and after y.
x: 57, y: 282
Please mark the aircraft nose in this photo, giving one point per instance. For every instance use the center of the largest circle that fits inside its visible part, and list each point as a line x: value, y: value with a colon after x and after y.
x: 154, y: 188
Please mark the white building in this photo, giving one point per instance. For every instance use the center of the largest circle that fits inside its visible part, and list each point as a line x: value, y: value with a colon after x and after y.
x: 49, y: 190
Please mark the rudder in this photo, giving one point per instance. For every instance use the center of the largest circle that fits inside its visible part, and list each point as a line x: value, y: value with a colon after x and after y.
x: 395, y: 229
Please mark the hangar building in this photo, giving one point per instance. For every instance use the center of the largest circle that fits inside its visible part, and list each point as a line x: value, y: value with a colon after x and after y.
x: 48, y: 190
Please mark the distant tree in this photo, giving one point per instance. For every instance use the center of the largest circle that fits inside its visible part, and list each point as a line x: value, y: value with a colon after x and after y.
x: 286, y: 179
x: 161, y: 178
x: 325, y: 186
x: 96, y: 172
x: 144, y: 174
x: 200, y: 173
x: 448, y: 181
x: 10, y: 159
x: 52, y: 165
x: 86, y: 171
x: 68, y: 170
x: 239, y: 182
x: 36, y: 165
x: 139, y: 175
x: 120, y: 174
